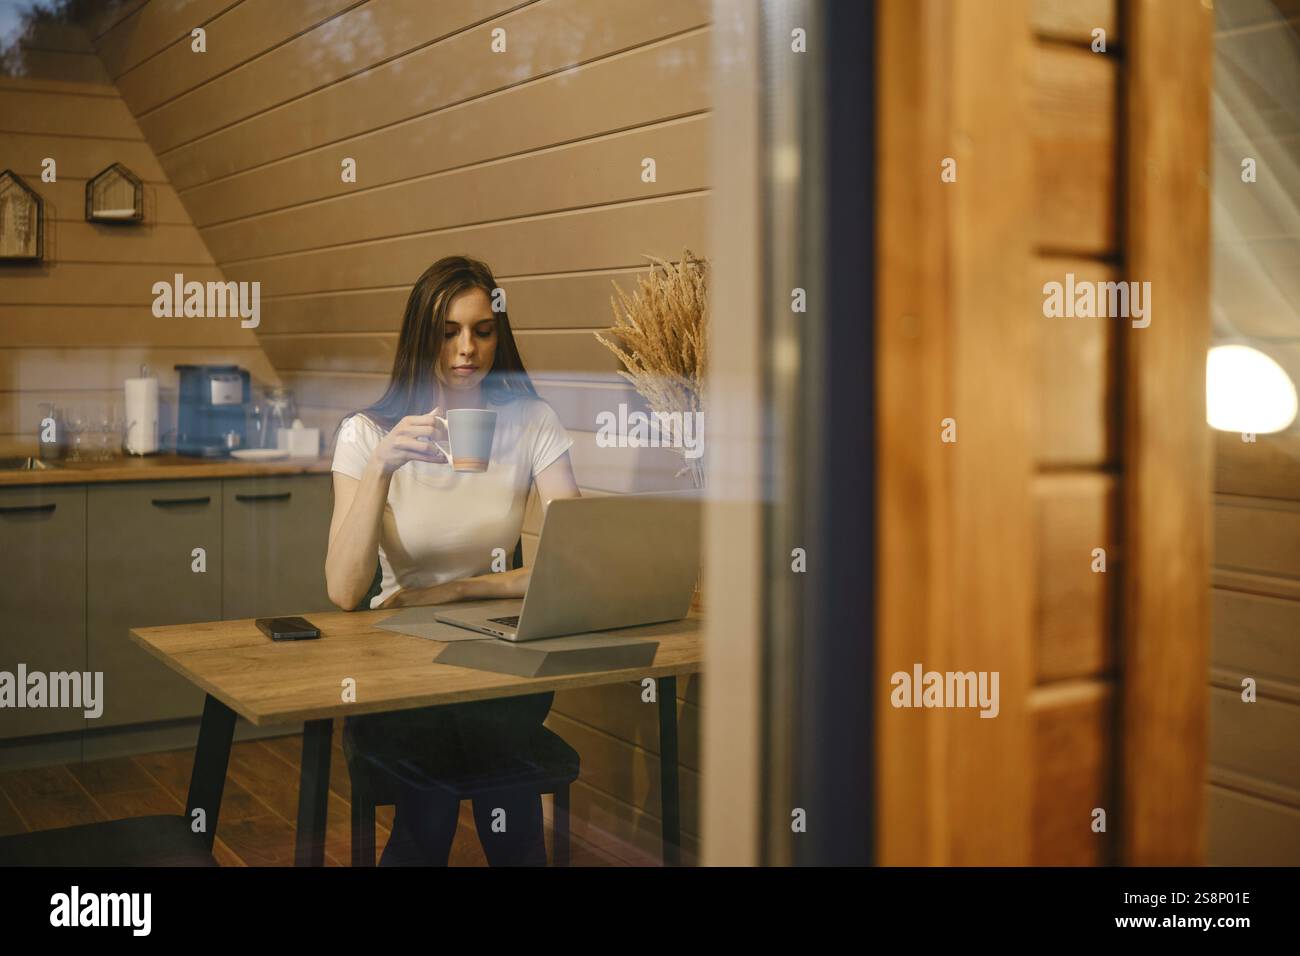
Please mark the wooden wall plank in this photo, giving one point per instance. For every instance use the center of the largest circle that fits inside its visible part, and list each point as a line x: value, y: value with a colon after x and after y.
x: 1279, y: 690
x: 589, y: 100
x: 1165, y: 617
x: 352, y: 46
x: 81, y: 158
x: 1268, y: 467
x: 37, y: 112
x: 1256, y: 739
x: 362, y: 310
x: 567, y: 354
x: 1074, y: 774
x: 1248, y: 831
x: 1075, y: 605
x: 237, y: 35
x: 619, y: 711
x: 453, y: 71
x: 609, y: 821
x: 582, y: 299
x: 624, y: 770
x: 152, y: 28
x: 1250, y: 583
x: 1075, y: 117
x: 93, y: 326
x: 342, y: 391
x: 1245, y: 783
x: 60, y: 368
x: 570, y: 300
x: 624, y: 470
x: 93, y: 283
x: 603, y: 238
x: 1077, y: 394
x: 578, y: 403
x: 344, y: 352
x: 1256, y: 636
x: 1257, y: 534
x: 611, y: 172
x: 81, y: 241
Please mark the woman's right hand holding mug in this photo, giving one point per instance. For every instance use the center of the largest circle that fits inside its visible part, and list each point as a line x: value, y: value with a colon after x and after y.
x: 413, y: 439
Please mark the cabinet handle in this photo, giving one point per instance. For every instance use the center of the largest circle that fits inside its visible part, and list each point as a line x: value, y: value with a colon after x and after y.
x: 15, y: 509
x: 269, y: 496
x: 165, y: 502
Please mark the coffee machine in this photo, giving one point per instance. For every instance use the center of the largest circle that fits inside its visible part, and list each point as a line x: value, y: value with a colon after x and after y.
x: 212, y: 409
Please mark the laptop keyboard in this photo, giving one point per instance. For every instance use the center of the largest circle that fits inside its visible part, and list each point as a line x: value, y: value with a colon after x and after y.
x: 507, y: 621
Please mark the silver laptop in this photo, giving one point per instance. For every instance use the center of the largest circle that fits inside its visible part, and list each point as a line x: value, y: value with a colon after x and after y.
x: 602, y: 563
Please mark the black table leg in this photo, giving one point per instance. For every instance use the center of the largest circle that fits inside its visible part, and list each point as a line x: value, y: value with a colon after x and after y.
x: 211, y: 758
x: 669, y: 794
x: 313, y: 793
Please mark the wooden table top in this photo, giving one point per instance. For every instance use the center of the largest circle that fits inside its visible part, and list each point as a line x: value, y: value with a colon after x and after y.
x: 278, y: 682
x: 166, y: 467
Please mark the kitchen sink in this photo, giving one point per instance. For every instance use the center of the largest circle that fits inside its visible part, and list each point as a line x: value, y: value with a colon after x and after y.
x: 25, y: 464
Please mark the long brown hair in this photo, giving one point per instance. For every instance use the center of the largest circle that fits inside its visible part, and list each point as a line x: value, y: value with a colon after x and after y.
x: 413, y: 387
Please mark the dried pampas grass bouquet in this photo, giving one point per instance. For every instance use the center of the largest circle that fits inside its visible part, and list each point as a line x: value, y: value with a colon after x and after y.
x: 663, y: 332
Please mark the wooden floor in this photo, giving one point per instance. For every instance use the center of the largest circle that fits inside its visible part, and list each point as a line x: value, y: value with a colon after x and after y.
x: 258, y: 810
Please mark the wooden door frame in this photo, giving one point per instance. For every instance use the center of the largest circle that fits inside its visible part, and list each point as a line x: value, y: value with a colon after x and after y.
x: 935, y: 247
x: 1165, y: 617
x: 955, y: 534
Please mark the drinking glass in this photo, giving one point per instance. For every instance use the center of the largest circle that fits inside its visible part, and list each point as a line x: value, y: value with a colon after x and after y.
x: 75, y: 425
x: 108, y: 428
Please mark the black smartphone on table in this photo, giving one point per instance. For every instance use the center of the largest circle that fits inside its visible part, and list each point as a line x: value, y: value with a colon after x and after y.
x: 287, y: 628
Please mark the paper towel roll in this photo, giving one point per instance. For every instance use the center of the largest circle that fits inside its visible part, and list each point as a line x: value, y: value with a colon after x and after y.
x: 141, y: 415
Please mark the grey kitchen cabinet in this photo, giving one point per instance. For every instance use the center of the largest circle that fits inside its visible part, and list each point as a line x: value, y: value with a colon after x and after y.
x: 141, y: 557
x: 276, y: 531
x: 42, y: 597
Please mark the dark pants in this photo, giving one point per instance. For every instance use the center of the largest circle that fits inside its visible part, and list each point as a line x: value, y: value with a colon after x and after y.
x: 468, y: 741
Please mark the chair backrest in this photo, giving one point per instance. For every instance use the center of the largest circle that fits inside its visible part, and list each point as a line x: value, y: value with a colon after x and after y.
x: 376, y: 584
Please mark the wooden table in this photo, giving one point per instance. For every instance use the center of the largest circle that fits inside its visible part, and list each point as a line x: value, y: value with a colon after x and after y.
x: 268, y: 683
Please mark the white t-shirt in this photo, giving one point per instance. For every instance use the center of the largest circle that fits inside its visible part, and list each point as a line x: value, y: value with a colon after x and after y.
x: 440, y: 524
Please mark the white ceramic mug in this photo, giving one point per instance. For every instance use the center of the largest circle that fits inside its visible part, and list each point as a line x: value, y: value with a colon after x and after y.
x: 469, y: 435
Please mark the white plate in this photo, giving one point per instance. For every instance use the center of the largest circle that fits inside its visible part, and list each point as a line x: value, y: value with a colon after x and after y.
x: 259, y: 454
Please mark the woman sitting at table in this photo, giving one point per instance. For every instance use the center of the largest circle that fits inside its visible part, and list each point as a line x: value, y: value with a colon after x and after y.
x: 436, y: 533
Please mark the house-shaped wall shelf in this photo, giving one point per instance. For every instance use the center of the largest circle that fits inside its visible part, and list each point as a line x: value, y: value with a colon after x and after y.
x: 22, y: 220
x: 115, y: 195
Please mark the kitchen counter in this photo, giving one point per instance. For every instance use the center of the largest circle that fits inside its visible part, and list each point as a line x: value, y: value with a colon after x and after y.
x: 163, y: 467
